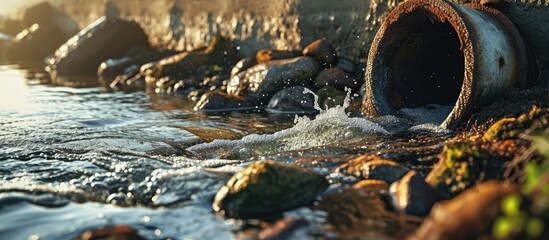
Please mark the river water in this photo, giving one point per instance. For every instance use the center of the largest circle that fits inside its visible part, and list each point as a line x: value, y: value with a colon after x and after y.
x: 73, y: 159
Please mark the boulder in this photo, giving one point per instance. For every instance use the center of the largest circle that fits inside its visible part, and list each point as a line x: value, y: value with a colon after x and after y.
x: 337, y: 78
x: 217, y: 101
x: 266, y: 55
x: 373, y: 167
x: 292, y: 100
x: 243, y: 65
x: 469, y: 215
x: 263, y: 80
x: 44, y: 14
x: 34, y: 44
x: 462, y: 164
x: 267, y: 188
x: 347, y: 65
x: 412, y: 195
x: 104, y: 39
x: 322, y: 51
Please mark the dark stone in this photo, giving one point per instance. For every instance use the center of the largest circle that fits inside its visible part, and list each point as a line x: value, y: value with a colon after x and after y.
x: 104, y: 39
x: 268, y: 188
x: 35, y: 43
x: 44, y: 14
x: 469, y: 215
x: 110, y: 69
x: 117, y: 232
x: 262, y: 81
x: 329, y: 97
x: 217, y: 101
x: 347, y: 65
x: 412, y: 195
x: 243, y: 65
x: 11, y: 27
x: 266, y: 55
x: 322, y: 51
x: 292, y: 100
x: 337, y: 78
x: 373, y: 167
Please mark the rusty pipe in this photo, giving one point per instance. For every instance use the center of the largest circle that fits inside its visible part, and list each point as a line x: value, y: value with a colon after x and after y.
x: 440, y: 52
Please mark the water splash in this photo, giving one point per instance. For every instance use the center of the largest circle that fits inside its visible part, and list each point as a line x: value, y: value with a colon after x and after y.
x: 330, y: 126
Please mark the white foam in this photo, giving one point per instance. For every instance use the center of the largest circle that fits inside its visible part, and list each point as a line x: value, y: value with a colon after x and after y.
x: 329, y: 127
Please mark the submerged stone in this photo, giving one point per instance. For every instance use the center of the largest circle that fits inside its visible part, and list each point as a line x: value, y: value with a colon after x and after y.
x: 469, y: 215
x: 266, y: 55
x: 373, y: 167
x: 412, y: 195
x: 292, y: 100
x: 322, y: 51
x: 263, y: 80
x: 267, y: 188
x: 104, y: 39
x: 113, y: 233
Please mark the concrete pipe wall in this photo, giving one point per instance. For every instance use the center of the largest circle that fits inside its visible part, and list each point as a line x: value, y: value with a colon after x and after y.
x: 439, y: 52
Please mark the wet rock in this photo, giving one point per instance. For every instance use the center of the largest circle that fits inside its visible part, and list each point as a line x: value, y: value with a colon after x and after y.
x: 35, y: 43
x: 463, y: 164
x: 372, y: 184
x: 11, y: 27
x: 267, y: 188
x: 217, y: 101
x: 347, y: 65
x: 243, y: 65
x: 44, y: 14
x: 507, y: 128
x: 412, y: 195
x: 130, y: 81
x: 292, y: 100
x: 468, y: 216
x: 119, y: 232
x: 263, y: 80
x: 110, y: 69
x: 266, y: 55
x: 329, y: 97
x: 104, y: 39
x: 282, y: 229
x: 373, y: 167
x: 322, y: 51
x: 337, y: 78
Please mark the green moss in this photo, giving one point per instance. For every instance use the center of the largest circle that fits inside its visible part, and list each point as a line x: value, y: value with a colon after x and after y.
x: 535, y: 121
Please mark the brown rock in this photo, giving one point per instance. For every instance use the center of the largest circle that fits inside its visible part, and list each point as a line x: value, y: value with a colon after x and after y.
x: 266, y: 55
x: 467, y: 216
x: 282, y: 229
x: 412, y: 195
x: 216, y: 101
x: 322, y: 51
x: 373, y: 167
x: 120, y: 232
x: 336, y: 78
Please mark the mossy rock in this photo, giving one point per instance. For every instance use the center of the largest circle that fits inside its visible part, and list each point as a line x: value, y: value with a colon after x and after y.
x: 267, y: 188
x: 463, y: 164
x: 535, y: 121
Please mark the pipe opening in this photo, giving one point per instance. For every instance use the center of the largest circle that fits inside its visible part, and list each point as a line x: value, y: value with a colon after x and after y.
x: 425, y: 63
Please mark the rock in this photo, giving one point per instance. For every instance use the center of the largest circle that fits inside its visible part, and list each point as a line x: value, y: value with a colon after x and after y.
x: 463, y: 164
x: 322, y: 51
x: 329, y: 97
x: 469, y: 215
x: 282, y: 229
x: 44, y: 14
x: 11, y: 27
x: 243, y: 65
x: 373, y: 167
x: 110, y: 69
x: 347, y: 65
x: 266, y: 55
x: 412, y: 195
x: 337, y: 78
x: 506, y: 128
x: 35, y: 43
x: 371, y: 184
x: 292, y: 100
x: 267, y: 188
x: 263, y: 80
x: 104, y: 39
x: 118, y: 232
x: 217, y: 101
